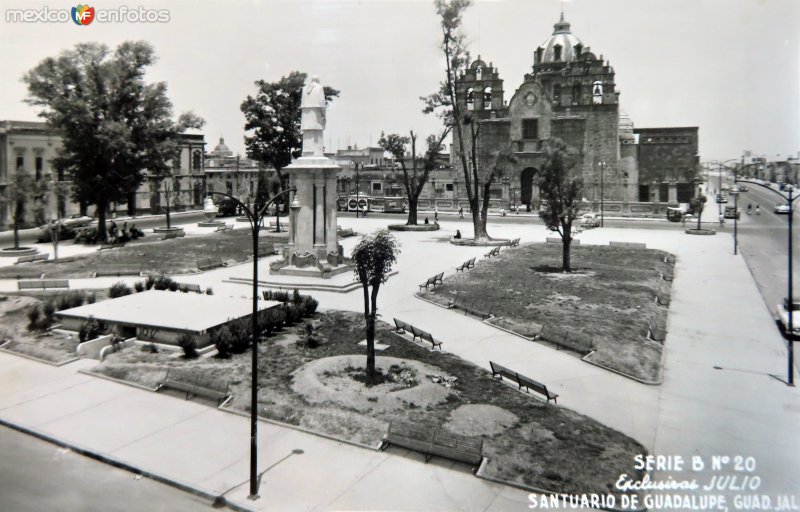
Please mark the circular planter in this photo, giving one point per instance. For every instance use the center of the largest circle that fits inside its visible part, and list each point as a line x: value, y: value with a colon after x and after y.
x: 22, y: 251
x: 418, y: 227
x: 210, y: 224
x: 700, y: 232
x: 167, y: 230
x: 479, y: 243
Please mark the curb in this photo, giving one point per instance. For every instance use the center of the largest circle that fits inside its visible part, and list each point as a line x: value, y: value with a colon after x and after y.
x: 214, y: 499
x: 37, y: 359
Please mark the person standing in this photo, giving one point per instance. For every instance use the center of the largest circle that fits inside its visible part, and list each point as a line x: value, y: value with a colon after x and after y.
x: 435, y: 214
x: 461, y: 213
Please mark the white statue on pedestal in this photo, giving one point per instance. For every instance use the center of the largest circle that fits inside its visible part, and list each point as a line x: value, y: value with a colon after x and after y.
x: 312, y: 117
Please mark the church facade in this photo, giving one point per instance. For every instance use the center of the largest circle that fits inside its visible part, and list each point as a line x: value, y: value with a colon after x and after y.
x: 571, y: 94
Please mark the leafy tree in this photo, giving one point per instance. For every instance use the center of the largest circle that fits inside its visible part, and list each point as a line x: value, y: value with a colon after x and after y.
x: 561, y: 188
x: 113, y: 124
x: 415, y: 178
x: 373, y: 256
x: 272, y: 121
x: 21, y: 190
x: 444, y: 104
x: 697, y: 204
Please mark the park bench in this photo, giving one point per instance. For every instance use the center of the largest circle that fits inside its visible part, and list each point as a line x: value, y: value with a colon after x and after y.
x: 522, y: 381
x: 111, y: 245
x: 116, y: 273
x: 670, y: 258
x: 571, y: 339
x: 193, y: 389
x: 466, y: 265
x: 43, y: 284
x: 189, y: 287
x: 426, y: 336
x: 493, y: 252
x: 668, y: 276
x: 515, y: 242
x: 209, y: 263
x: 473, y: 308
x: 403, y: 327
x: 657, y: 331
x: 32, y: 258
x: 433, y: 281
x: 434, y: 442
x: 663, y: 300
x: 174, y: 234
x: 224, y: 227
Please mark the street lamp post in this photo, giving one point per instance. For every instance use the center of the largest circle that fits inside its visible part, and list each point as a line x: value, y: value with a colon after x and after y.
x: 255, y: 217
x: 790, y: 285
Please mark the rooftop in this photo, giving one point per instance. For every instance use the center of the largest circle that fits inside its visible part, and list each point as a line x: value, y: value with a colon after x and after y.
x: 194, y: 312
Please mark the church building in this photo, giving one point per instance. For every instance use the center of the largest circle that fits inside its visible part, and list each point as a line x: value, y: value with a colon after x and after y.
x: 571, y: 94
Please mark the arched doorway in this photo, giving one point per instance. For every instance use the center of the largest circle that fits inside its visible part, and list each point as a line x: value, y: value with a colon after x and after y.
x: 529, y: 190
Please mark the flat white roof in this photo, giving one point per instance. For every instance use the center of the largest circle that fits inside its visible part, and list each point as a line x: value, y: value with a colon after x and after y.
x: 191, y: 311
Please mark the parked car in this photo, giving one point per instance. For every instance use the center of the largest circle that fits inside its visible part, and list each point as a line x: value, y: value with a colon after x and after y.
x: 590, y: 220
x: 731, y: 212
x: 782, y: 208
x: 783, y: 316
x: 675, y: 214
x: 394, y: 205
x: 743, y: 188
x: 722, y: 198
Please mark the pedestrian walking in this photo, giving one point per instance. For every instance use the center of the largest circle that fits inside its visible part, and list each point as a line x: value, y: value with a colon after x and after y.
x: 435, y: 214
x: 721, y: 219
x: 461, y: 213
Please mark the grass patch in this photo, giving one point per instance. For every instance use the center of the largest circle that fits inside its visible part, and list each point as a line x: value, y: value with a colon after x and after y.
x: 606, y: 303
x: 174, y: 256
x: 53, y: 347
x: 545, y: 446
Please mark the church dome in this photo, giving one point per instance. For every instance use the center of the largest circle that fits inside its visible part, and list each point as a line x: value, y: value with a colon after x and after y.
x: 560, y: 47
x: 222, y: 150
x: 478, y: 63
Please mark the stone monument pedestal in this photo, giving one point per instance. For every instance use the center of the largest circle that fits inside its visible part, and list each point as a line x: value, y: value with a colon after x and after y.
x: 313, y: 248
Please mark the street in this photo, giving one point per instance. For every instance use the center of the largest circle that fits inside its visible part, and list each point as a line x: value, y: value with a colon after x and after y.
x: 36, y: 475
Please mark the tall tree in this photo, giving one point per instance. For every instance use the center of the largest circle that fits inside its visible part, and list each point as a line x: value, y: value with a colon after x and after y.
x: 415, y: 178
x: 272, y: 121
x: 113, y: 124
x: 561, y: 188
x: 373, y: 256
x: 444, y: 103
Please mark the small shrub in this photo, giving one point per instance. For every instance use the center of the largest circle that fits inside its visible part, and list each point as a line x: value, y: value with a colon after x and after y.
x: 296, y: 297
x: 139, y: 286
x: 240, y: 335
x: 173, y: 286
x: 223, y: 340
x: 187, y: 342
x: 149, y: 282
x: 309, y: 305
x: 34, y: 317
x: 89, y: 330
x: 70, y: 300
x: 209, y: 291
x: 119, y: 289
x: 91, y: 298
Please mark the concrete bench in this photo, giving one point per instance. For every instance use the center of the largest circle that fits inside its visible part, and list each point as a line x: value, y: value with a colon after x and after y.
x: 32, y: 258
x: 629, y: 245
x: 43, y: 284
x: 189, y: 287
x: 174, y: 234
x: 193, y: 389
x: 434, y: 442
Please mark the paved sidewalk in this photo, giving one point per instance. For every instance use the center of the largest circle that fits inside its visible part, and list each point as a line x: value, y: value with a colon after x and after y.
x: 716, y: 320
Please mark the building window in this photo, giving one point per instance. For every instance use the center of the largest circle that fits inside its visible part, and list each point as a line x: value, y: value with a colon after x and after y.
x: 578, y: 49
x: 20, y: 163
x: 176, y: 164
x: 576, y: 94
x: 197, y: 161
x: 597, y: 92
x: 478, y: 73
x: 229, y: 187
x: 377, y: 187
x: 448, y: 187
x: 557, y: 94
x: 530, y: 128
x: 470, y: 99
x: 487, y: 98
x: 557, y: 52
x: 39, y: 167
x: 644, y: 193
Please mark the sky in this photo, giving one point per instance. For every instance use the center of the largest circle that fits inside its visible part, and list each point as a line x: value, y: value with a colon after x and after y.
x: 730, y: 67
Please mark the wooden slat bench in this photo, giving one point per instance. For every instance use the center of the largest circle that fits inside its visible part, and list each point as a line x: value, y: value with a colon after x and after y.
x: 522, y: 381
x: 43, y: 284
x: 434, y: 443
x: 470, y: 263
x: 403, y: 327
x: 493, y: 252
x: 431, y: 281
x: 209, y: 263
x: 437, y: 279
x: 474, y: 308
x: 425, y: 335
x: 193, y: 389
x: 32, y: 258
x: 502, y: 371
